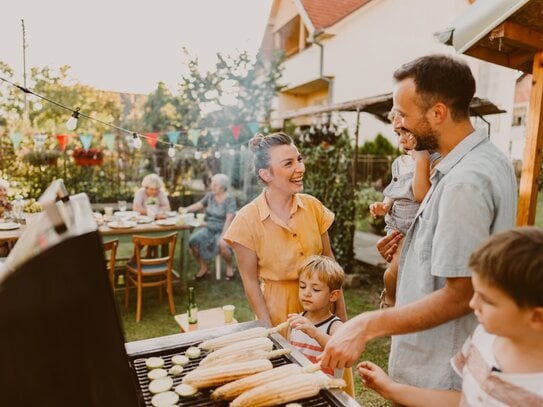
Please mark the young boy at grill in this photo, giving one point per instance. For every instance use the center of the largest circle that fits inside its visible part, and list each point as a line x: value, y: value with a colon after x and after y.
x: 320, y: 279
x: 502, y: 362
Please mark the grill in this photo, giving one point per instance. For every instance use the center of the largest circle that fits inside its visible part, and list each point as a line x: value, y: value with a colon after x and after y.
x: 168, y: 346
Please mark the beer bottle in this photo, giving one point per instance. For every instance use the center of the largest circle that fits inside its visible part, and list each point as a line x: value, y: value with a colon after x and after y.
x: 192, y: 310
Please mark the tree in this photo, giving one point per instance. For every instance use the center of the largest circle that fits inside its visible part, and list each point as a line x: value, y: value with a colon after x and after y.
x: 160, y: 111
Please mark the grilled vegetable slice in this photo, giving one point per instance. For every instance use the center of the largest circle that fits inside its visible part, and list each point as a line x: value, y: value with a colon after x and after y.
x: 156, y: 374
x: 180, y: 360
x: 161, y: 385
x: 176, y: 370
x: 154, y: 362
x: 185, y: 390
x: 193, y: 352
x: 166, y: 399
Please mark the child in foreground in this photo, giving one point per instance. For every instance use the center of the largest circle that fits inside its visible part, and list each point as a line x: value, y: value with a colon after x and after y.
x: 502, y: 363
x: 320, y: 281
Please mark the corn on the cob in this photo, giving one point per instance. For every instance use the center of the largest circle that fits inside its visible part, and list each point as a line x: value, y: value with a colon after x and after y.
x: 233, y: 389
x: 246, y: 356
x: 225, y: 340
x: 288, y: 389
x: 238, y: 349
x: 218, y: 375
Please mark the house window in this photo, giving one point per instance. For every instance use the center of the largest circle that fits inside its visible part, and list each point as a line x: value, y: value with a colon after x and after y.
x: 288, y: 37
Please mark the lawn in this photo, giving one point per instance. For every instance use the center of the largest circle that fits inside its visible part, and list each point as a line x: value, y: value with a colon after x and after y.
x: 157, y: 321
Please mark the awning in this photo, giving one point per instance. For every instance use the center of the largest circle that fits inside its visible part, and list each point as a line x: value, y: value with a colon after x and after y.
x: 380, y: 106
x: 504, y: 32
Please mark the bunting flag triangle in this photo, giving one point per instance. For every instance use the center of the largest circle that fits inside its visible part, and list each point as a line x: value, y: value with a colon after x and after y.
x: 16, y: 139
x: 39, y: 139
x: 109, y: 139
x: 254, y: 127
x: 152, y: 139
x: 236, y: 128
x: 62, y: 140
x: 194, y: 134
x: 173, y: 136
x: 86, y: 140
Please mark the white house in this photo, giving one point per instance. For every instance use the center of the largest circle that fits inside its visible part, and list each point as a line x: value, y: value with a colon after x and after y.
x: 341, y: 50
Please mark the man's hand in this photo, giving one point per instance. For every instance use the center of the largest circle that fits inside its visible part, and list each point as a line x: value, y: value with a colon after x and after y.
x: 379, y: 209
x: 388, y: 245
x: 346, y: 344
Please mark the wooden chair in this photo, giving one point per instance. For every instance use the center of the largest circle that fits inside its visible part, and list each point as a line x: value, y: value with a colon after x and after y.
x: 146, y: 271
x: 111, y: 246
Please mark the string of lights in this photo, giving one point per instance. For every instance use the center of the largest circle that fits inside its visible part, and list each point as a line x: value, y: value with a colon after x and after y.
x: 76, y: 114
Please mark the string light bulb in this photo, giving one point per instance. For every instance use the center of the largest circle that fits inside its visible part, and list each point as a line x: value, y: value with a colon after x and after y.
x: 136, y: 141
x: 217, y: 154
x: 71, y: 124
x: 171, y: 151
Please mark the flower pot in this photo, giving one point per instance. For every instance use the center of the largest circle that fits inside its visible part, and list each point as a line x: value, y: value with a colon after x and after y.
x: 88, y: 161
x: 152, y: 210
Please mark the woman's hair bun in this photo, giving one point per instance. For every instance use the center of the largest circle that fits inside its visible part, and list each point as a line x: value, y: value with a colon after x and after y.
x: 254, y: 143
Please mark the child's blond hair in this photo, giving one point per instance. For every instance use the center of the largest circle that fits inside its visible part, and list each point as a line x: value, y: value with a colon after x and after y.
x: 327, y: 270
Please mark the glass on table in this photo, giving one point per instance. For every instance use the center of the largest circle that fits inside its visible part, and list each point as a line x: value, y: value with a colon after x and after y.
x: 122, y: 205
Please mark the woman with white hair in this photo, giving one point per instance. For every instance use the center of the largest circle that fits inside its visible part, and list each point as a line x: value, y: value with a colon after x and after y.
x: 152, y: 190
x: 207, y: 241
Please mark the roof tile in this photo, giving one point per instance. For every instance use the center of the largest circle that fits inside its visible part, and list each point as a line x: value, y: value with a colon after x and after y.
x: 324, y: 13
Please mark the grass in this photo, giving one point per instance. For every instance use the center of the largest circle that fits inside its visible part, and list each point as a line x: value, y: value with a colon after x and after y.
x: 157, y: 321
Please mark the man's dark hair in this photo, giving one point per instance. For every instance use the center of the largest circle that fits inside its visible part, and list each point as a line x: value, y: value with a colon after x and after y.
x: 441, y: 78
x: 513, y: 262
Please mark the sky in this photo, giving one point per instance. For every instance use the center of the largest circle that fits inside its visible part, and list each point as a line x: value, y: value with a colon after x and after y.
x: 128, y: 45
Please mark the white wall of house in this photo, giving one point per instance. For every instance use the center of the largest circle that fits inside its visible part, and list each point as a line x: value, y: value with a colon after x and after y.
x: 372, y: 42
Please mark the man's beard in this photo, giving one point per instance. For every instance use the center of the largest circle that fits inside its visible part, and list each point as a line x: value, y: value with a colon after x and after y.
x: 425, y: 136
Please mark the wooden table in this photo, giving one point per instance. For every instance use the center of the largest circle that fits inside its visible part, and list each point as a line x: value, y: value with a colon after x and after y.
x: 183, y: 233
x: 207, y: 318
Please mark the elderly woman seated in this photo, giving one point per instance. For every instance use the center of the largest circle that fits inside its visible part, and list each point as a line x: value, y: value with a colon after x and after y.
x: 206, y: 242
x: 152, y: 191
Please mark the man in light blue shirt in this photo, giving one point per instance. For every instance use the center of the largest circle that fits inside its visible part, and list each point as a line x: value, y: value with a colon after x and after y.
x: 473, y: 195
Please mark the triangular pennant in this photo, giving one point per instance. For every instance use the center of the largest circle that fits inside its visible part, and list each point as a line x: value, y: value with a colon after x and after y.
x: 39, y: 139
x: 16, y: 139
x: 254, y: 127
x: 236, y: 128
x: 62, y: 141
x: 193, y: 135
x: 109, y: 139
x: 152, y: 139
x: 173, y: 136
x: 86, y: 140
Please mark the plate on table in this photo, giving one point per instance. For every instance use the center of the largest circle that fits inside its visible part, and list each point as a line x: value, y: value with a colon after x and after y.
x: 126, y: 214
x: 121, y: 225
x: 144, y: 219
x: 166, y: 222
x: 9, y: 226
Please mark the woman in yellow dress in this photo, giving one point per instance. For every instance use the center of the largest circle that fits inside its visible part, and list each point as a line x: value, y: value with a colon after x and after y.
x: 277, y: 231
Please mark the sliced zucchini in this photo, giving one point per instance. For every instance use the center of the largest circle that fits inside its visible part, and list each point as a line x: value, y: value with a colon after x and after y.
x: 161, y: 385
x: 166, y: 399
x: 176, y: 370
x: 156, y: 374
x: 180, y: 360
x: 185, y: 390
x: 154, y: 362
x: 193, y: 352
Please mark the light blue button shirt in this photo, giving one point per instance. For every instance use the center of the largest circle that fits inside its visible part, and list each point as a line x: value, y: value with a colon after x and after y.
x: 473, y: 195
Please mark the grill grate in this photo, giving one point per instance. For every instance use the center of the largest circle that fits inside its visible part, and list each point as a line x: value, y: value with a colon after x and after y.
x: 202, y: 398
